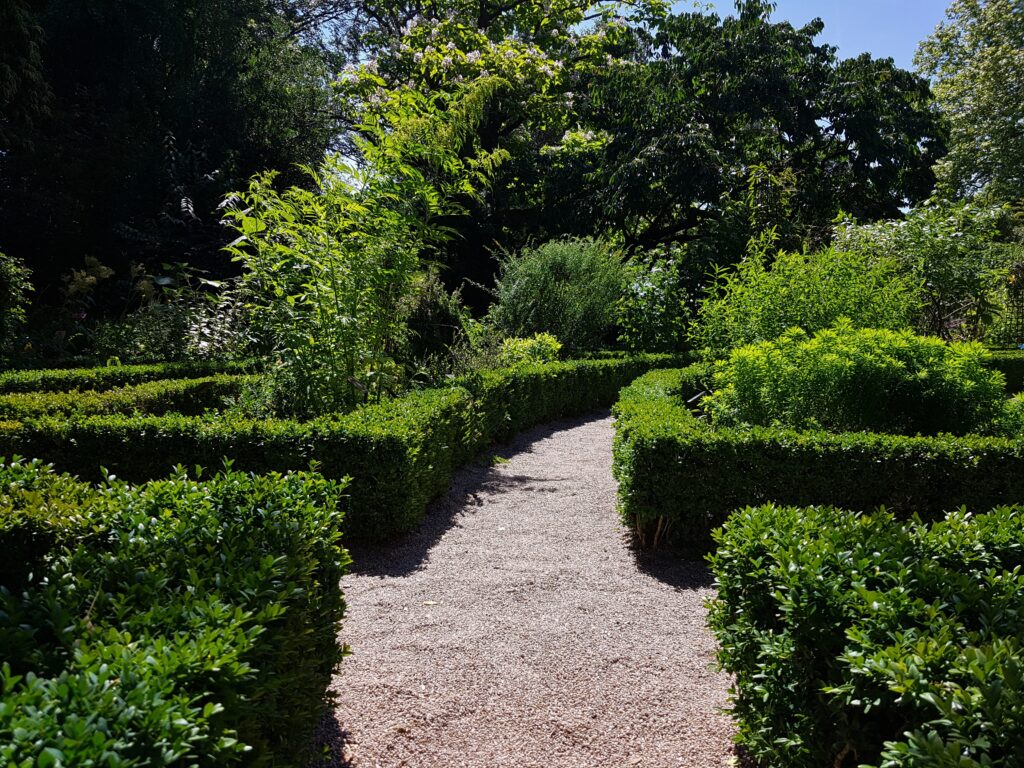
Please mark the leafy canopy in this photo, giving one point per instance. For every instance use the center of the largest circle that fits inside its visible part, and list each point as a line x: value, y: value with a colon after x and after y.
x: 976, y: 59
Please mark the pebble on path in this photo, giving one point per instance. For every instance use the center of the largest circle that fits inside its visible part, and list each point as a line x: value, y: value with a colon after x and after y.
x: 518, y: 627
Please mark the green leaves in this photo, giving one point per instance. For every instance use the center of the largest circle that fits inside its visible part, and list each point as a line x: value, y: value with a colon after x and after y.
x: 180, y: 621
x: 858, y: 633
x: 331, y: 266
x: 846, y: 380
x: 567, y: 288
x: 766, y: 295
x: 953, y: 251
x: 976, y: 59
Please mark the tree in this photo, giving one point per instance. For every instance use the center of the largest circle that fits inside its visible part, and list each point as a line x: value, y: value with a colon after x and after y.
x: 159, y: 108
x: 976, y: 59
x: 24, y: 93
x: 541, y: 50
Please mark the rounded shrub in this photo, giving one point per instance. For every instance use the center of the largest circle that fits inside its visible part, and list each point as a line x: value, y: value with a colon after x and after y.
x: 846, y: 380
x: 568, y: 288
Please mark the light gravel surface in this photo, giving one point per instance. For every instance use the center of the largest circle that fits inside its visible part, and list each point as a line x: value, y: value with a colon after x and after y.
x: 519, y: 628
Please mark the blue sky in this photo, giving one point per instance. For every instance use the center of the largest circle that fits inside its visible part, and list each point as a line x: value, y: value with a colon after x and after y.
x: 881, y: 27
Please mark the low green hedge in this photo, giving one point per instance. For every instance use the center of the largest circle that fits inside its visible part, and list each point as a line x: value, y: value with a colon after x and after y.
x: 99, y: 379
x: 400, y: 453
x: 185, y: 396
x: 679, y: 477
x: 514, y: 399
x: 861, y: 640
x: 183, y: 622
x: 1011, y: 363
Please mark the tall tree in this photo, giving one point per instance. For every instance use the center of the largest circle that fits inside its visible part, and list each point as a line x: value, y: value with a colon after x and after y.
x: 710, y: 110
x: 24, y: 92
x: 160, y: 106
x: 656, y: 127
x: 976, y: 58
x: 543, y: 51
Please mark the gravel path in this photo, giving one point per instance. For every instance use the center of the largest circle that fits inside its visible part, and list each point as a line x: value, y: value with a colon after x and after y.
x: 518, y: 628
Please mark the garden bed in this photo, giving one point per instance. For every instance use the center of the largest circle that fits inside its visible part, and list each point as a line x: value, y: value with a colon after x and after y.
x: 679, y: 477
x: 400, y: 453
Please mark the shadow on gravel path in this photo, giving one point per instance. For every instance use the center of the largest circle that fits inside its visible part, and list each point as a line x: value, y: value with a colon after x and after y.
x: 472, y: 483
x: 519, y: 628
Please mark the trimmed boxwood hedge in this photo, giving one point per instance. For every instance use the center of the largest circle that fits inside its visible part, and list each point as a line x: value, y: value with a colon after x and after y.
x: 99, y: 379
x: 400, y: 454
x: 182, y: 621
x: 1011, y: 363
x: 513, y: 399
x: 184, y: 396
x: 863, y: 640
x: 679, y: 477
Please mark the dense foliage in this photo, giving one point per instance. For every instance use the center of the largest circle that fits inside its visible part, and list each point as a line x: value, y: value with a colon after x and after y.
x: 956, y: 251
x: 680, y: 476
x: 765, y: 295
x: 631, y: 123
x: 14, y: 299
x: 157, y: 110
x: 655, y: 309
x: 330, y: 267
x: 568, y: 288
x: 129, y: 649
x: 861, y: 640
x: 847, y: 380
x: 976, y: 58
x: 539, y: 348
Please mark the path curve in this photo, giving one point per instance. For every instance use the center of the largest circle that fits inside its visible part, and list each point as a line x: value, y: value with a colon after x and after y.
x: 517, y: 628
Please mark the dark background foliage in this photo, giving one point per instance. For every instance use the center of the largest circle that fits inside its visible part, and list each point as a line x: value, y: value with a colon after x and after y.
x: 124, y: 123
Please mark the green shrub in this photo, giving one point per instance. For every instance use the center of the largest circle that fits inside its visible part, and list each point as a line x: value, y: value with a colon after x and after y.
x: 568, y: 288
x: 1011, y: 364
x: 181, y: 621
x: 436, y: 321
x: 539, y: 348
x: 680, y: 476
x: 953, y: 251
x: 185, y: 396
x: 1012, y: 421
x: 847, y: 380
x: 859, y: 640
x: 109, y: 377
x: 400, y: 453
x: 14, y: 290
x: 655, y: 311
x: 764, y: 297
